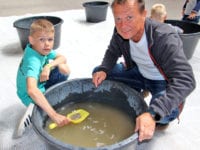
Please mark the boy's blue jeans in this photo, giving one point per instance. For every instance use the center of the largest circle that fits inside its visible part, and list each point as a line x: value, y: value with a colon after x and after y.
x: 55, y: 77
x: 135, y: 80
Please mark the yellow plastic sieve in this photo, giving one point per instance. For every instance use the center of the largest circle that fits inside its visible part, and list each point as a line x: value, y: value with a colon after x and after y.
x: 76, y: 116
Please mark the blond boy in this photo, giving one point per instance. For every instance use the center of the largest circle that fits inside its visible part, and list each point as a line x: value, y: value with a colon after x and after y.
x: 159, y: 13
x: 40, y: 68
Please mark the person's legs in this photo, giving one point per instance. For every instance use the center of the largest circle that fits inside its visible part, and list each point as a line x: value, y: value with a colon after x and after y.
x: 134, y: 79
x: 195, y: 20
x: 157, y: 89
x: 55, y: 77
x: 184, y: 18
x: 131, y: 77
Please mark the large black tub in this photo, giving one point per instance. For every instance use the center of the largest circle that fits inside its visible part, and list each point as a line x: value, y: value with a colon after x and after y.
x: 75, y: 91
x: 190, y: 36
x: 23, y: 28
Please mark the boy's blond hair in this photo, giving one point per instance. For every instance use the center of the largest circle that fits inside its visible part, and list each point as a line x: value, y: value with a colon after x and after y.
x: 158, y: 12
x: 41, y: 25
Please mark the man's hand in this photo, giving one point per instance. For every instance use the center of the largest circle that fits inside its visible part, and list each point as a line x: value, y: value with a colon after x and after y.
x: 145, y: 125
x: 98, y: 77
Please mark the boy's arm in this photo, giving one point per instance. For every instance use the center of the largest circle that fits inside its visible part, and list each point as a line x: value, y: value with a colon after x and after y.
x: 44, y: 76
x: 60, y: 59
x: 38, y: 97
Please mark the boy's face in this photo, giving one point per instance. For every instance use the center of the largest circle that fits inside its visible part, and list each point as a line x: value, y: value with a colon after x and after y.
x: 42, y: 42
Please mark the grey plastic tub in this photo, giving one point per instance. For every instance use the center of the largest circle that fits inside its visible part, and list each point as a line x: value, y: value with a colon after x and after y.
x: 23, y: 28
x: 96, y: 11
x: 110, y: 93
x: 190, y: 36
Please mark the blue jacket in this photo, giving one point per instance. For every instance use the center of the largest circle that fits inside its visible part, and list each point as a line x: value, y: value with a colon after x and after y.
x: 166, y: 51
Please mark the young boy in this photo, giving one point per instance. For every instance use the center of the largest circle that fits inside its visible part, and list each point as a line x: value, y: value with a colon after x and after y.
x: 40, y: 68
x: 159, y: 13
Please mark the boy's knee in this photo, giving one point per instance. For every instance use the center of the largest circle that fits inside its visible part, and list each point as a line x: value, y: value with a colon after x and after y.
x: 64, y: 69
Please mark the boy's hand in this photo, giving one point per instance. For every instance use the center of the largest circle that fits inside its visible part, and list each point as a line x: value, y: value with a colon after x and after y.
x: 60, y: 120
x: 44, y: 76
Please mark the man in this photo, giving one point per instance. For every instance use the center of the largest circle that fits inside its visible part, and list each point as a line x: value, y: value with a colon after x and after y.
x: 154, y: 61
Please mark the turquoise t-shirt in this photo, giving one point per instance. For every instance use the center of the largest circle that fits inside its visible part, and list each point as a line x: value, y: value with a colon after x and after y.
x: 31, y: 65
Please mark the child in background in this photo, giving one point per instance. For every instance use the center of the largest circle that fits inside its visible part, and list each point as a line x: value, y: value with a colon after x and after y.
x: 40, y: 68
x: 191, y: 11
x: 159, y: 13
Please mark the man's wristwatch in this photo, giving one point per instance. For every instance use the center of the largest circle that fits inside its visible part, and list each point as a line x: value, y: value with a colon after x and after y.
x: 154, y: 115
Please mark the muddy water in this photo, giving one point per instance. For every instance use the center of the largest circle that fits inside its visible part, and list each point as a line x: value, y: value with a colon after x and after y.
x: 104, y: 126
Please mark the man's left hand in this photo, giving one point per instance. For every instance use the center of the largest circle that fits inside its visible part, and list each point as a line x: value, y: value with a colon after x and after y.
x: 145, y: 125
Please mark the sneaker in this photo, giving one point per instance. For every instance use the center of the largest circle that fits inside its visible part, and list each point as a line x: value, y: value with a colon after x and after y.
x: 25, y: 122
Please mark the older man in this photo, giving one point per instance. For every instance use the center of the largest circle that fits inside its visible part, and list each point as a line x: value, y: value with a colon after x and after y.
x: 154, y: 61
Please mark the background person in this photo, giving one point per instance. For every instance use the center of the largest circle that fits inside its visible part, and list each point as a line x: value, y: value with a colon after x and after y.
x: 159, y: 13
x: 191, y: 11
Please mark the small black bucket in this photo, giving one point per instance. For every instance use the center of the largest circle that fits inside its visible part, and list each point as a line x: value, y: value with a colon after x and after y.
x: 96, y: 11
x: 23, y: 28
x: 189, y: 37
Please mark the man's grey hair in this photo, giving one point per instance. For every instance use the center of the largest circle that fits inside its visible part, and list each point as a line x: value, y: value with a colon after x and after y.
x: 141, y: 3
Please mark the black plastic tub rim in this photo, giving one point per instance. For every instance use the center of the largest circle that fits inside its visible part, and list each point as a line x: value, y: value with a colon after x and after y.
x: 189, y: 28
x: 96, y: 4
x: 196, y: 34
x: 17, y: 24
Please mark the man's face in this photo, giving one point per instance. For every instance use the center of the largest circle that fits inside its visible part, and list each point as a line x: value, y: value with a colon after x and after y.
x: 42, y: 42
x: 129, y: 21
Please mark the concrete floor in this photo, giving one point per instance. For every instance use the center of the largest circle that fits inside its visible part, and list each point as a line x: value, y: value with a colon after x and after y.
x: 84, y: 42
x: 22, y: 7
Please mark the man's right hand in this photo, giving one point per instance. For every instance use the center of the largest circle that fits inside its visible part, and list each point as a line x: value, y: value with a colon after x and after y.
x: 98, y: 77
